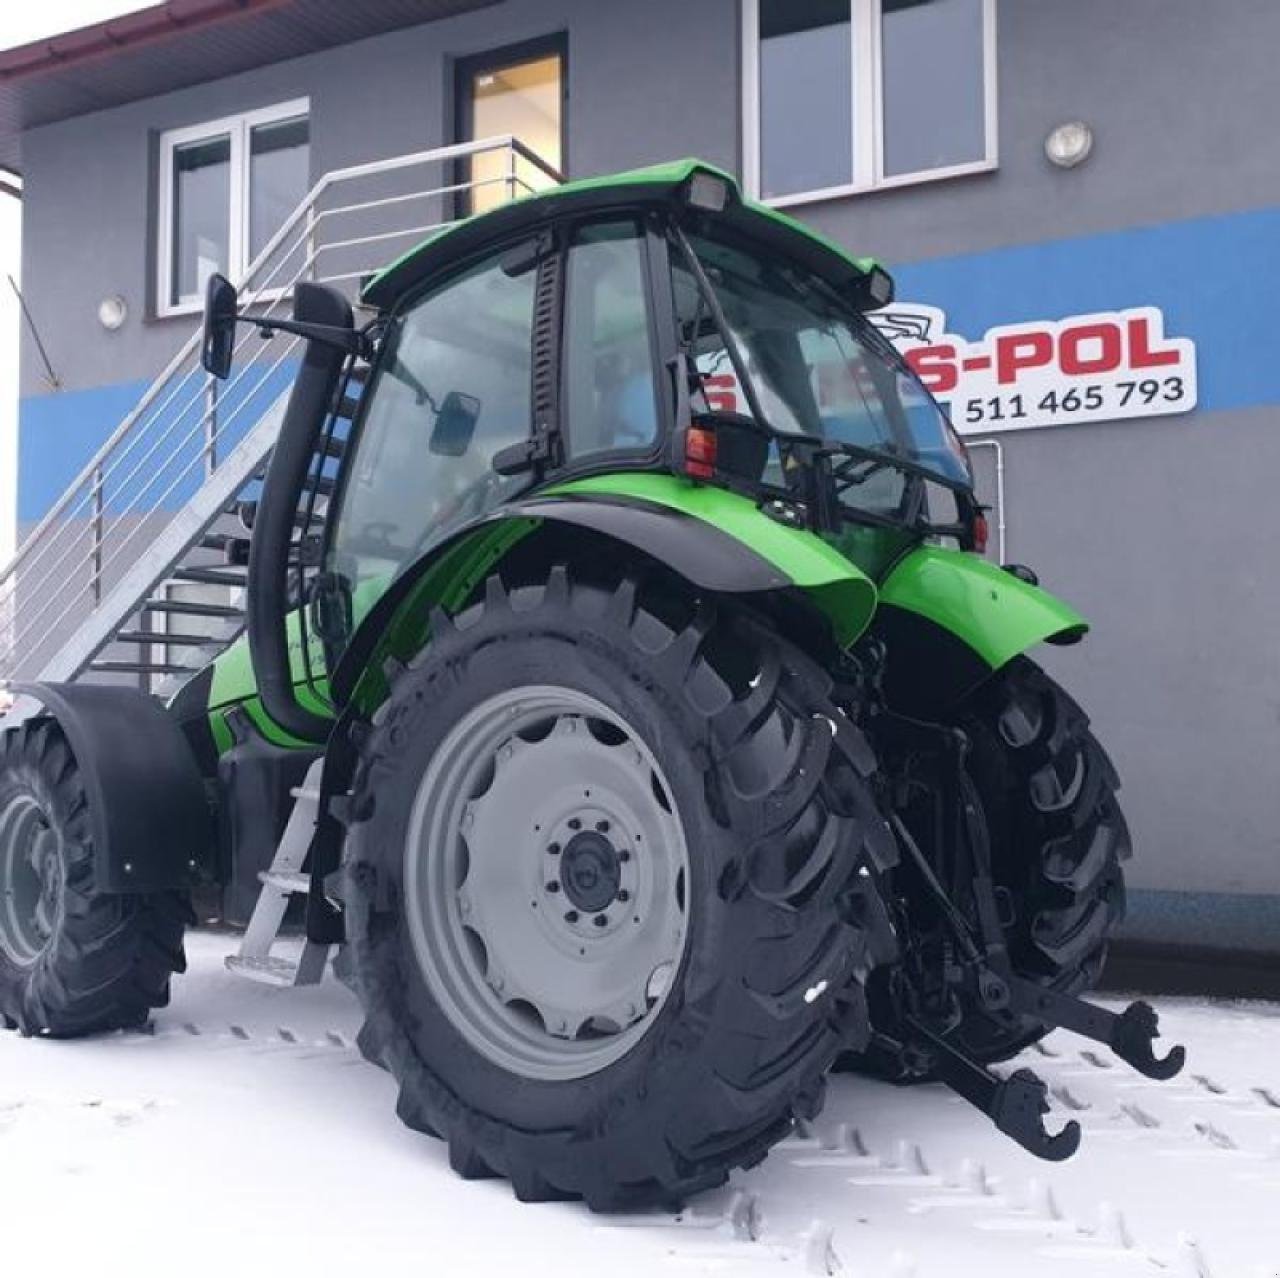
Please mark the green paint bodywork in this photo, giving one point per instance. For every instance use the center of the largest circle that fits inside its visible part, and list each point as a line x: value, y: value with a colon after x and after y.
x: 995, y: 613
x: 234, y: 685
x: 447, y: 584
x: 838, y: 586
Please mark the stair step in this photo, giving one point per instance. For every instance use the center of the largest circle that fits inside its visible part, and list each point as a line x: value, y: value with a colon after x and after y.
x: 333, y: 447
x: 138, y: 667
x: 174, y: 637
x: 210, y: 576
x: 189, y: 608
x: 247, y: 512
x: 298, y: 884
x: 234, y: 547
x: 322, y: 484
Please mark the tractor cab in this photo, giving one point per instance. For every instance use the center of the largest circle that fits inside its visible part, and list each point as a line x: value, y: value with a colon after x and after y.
x: 656, y: 330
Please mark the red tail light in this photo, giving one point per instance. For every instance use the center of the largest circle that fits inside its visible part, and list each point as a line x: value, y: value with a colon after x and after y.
x: 700, y: 453
x: 981, y: 533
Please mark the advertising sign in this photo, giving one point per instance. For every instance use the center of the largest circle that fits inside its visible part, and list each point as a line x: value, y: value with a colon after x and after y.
x: 1100, y: 367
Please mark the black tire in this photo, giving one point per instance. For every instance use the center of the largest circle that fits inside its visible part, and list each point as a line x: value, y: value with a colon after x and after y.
x: 779, y: 820
x: 1058, y: 837
x: 95, y: 962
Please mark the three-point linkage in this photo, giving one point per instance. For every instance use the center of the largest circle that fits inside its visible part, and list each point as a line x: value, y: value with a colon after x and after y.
x: 981, y: 972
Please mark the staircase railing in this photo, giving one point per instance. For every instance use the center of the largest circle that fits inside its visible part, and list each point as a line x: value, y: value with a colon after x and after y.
x: 351, y: 223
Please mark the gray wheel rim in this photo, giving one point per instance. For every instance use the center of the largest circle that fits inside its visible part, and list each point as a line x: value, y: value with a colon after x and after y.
x: 538, y: 805
x: 30, y: 880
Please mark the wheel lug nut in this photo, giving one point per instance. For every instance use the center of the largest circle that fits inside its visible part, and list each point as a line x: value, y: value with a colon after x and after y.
x: 571, y: 916
x: 553, y: 849
x: 602, y: 827
x: 574, y: 823
x: 553, y: 886
x: 600, y: 920
x: 623, y: 894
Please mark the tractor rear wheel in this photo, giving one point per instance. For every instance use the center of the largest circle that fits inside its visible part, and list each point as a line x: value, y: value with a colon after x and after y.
x: 72, y: 960
x: 603, y: 890
x: 1047, y: 791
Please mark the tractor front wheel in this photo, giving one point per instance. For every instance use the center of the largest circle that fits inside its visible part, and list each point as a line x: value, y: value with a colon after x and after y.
x: 603, y: 893
x: 72, y: 960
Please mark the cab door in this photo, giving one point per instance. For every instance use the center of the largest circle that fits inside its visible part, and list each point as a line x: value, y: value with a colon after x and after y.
x: 451, y: 389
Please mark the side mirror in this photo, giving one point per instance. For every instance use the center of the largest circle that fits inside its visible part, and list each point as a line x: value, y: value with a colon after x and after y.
x: 219, y: 326
x: 455, y: 424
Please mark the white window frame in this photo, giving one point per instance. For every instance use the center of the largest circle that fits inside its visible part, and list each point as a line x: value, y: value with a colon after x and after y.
x: 238, y: 128
x: 867, y: 108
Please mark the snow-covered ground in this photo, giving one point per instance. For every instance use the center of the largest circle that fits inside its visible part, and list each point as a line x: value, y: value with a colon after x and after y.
x: 244, y: 1135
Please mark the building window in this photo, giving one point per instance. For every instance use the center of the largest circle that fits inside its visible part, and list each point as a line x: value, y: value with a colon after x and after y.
x: 844, y: 96
x: 226, y: 188
x: 519, y: 90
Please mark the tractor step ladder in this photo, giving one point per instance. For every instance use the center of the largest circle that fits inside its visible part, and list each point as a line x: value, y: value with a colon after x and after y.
x: 280, y: 884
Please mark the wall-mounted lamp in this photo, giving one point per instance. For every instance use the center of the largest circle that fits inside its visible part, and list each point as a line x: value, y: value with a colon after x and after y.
x: 112, y: 312
x: 1069, y: 144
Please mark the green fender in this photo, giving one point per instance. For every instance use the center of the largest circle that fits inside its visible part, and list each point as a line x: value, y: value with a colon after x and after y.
x: 837, y: 586
x: 953, y: 618
x: 950, y: 618
x: 997, y: 614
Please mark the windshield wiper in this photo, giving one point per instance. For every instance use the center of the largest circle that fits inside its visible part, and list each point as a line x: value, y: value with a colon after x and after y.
x: 708, y: 294
x: 846, y: 473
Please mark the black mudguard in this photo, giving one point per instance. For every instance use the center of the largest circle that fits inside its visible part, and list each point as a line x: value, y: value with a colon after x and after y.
x: 153, y: 829
x: 708, y: 556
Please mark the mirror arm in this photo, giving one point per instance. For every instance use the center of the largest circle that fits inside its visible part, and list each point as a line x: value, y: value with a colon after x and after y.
x: 349, y: 340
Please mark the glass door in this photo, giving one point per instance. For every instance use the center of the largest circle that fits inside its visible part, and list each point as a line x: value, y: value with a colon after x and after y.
x: 520, y: 90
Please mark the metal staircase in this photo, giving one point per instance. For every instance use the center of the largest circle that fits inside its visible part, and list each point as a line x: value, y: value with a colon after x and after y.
x: 137, y: 572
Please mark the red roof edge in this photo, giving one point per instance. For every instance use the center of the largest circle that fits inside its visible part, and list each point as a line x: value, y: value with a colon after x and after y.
x: 152, y: 25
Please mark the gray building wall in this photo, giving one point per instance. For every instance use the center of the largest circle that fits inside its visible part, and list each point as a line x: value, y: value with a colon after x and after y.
x: 645, y: 82
x: 1155, y: 529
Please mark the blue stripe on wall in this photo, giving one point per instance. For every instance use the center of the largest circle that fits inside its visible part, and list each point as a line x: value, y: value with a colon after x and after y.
x: 1241, y: 922
x: 58, y: 433
x: 1214, y: 278
x: 61, y: 431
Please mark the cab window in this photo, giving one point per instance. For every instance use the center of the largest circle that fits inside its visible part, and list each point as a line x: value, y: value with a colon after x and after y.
x: 451, y: 389
x: 609, y: 398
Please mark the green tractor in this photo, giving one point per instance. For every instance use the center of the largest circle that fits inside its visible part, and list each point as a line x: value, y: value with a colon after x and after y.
x: 640, y: 718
